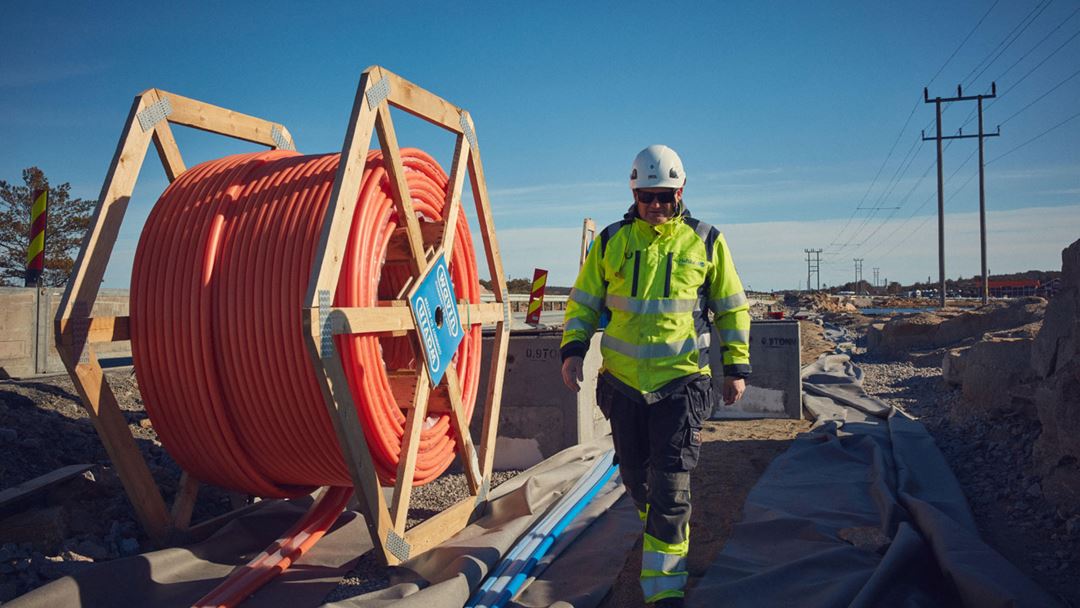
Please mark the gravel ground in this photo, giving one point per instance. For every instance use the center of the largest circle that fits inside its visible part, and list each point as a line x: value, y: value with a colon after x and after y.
x: 990, y: 458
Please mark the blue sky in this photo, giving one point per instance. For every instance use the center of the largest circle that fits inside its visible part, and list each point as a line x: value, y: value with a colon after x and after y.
x: 785, y: 113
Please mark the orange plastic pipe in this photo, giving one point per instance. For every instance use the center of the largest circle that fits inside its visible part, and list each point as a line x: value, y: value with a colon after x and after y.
x: 217, y: 296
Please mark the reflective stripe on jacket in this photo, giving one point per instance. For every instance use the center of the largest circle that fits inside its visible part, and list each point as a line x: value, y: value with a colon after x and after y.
x: 658, y: 281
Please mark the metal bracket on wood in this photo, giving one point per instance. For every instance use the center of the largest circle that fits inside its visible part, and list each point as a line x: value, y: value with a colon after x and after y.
x: 397, y: 545
x: 506, y: 308
x: 378, y: 92
x: 282, y: 142
x: 324, y: 324
x: 467, y: 129
x: 154, y: 114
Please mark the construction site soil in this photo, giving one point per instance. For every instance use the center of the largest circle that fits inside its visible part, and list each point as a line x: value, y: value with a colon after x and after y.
x: 88, y: 519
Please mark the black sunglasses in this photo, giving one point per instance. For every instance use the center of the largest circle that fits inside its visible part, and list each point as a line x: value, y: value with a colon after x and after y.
x: 665, y: 197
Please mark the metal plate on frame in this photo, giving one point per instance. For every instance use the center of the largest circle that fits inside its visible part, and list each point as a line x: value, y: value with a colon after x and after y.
x: 467, y: 129
x: 378, y: 93
x: 282, y: 142
x: 397, y: 545
x: 154, y: 113
x: 435, y: 313
x: 324, y: 324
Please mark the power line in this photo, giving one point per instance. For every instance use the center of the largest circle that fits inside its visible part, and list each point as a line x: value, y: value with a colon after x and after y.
x: 1004, y: 40
x: 1014, y: 86
x: 915, y: 213
x: 904, y: 127
x: 876, y: 175
x: 1015, y: 38
x: 1060, y: 124
x: 929, y: 217
x: 962, y: 43
x: 1040, y: 97
x: 1038, y: 44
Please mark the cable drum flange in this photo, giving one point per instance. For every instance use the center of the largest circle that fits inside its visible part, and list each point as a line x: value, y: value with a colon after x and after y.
x: 217, y: 329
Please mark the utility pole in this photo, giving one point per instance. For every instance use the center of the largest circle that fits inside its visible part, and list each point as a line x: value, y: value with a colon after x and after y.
x: 813, y: 266
x: 858, y: 273
x: 937, y: 101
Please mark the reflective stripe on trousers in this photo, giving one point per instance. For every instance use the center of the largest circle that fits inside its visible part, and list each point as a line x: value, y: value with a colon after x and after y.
x: 659, y: 587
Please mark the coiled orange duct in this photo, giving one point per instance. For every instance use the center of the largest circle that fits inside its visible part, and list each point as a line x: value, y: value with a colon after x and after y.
x: 217, y: 292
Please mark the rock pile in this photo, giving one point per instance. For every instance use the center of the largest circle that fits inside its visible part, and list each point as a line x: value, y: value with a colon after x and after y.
x: 932, y: 330
x: 1055, y: 359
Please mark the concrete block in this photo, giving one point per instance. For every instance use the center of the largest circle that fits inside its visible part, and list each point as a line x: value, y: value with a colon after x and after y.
x: 775, y: 389
x: 539, y: 416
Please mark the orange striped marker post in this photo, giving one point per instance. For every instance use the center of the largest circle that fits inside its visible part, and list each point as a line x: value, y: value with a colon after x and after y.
x: 35, y: 253
x: 536, y: 300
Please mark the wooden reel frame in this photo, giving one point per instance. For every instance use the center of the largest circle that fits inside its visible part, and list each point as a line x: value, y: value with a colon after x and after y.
x: 379, y: 90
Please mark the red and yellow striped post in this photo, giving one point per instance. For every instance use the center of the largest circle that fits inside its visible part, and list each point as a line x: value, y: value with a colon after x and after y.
x: 536, y: 300
x: 35, y: 253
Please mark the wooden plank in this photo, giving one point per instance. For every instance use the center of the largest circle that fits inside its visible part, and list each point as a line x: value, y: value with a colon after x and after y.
x: 339, y: 403
x: 222, y: 121
x: 422, y: 103
x: 104, y: 412
x: 287, y: 136
x: 380, y: 319
x: 101, y: 329
x: 17, y: 497
x: 453, y: 195
x: 460, y: 424
x: 493, y: 399
x: 487, y: 313
x: 339, y: 214
x: 436, y: 529
x: 397, y: 250
x: 588, y: 232
x: 166, y: 146
x: 486, y: 220
x: 187, y: 491
x: 410, y: 446
x: 399, y: 189
x: 97, y: 246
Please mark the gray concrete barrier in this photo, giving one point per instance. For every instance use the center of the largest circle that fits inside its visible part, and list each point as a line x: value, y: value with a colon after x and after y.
x: 774, y: 389
x: 27, y: 345
x: 540, y: 416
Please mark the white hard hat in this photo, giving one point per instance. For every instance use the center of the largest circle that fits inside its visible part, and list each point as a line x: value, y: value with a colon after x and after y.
x: 657, y: 167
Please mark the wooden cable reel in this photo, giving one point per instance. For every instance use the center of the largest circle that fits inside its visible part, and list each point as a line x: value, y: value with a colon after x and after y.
x: 421, y: 250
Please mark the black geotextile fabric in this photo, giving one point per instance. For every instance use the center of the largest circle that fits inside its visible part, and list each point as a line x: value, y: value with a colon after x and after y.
x: 861, y: 511
x: 179, y: 576
x: 578, y: 573
x: 582, y: 564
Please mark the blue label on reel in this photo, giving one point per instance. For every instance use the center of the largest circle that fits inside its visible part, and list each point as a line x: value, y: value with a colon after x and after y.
x: 437, y: 321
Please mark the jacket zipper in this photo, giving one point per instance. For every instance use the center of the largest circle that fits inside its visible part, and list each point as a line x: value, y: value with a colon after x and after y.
x: 637, y: 266
x: 667, y: 276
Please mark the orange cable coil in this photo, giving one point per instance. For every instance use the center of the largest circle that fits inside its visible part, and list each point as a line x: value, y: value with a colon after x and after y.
x: 217, y: 296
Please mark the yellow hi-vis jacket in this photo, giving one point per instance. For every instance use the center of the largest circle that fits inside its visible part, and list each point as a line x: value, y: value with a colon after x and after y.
x: 658, y: 282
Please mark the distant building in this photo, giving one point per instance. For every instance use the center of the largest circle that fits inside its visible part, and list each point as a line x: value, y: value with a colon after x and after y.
x: 1012, y: 288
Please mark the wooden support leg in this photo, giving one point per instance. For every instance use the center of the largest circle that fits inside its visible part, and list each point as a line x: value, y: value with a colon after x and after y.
x: 493, y: 399
x: 465, y: 450
x: 410, y: 444
x: 100, y: 404
x: 187, y: 492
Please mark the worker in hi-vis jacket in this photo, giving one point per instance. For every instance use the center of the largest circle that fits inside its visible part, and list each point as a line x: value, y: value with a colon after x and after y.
x: 659, y: 272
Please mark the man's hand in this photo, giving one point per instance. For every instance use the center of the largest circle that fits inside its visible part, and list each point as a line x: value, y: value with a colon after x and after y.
x: 733, y: 388
x: 571, y: 373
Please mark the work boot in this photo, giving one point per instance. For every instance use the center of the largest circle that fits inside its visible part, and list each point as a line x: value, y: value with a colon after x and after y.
x: 669, y: 602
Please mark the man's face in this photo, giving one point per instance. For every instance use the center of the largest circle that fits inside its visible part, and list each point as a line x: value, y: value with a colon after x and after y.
x: 657, y: 205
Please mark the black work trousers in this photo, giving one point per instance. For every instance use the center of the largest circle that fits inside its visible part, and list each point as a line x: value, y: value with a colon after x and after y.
x: 656, y: 446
